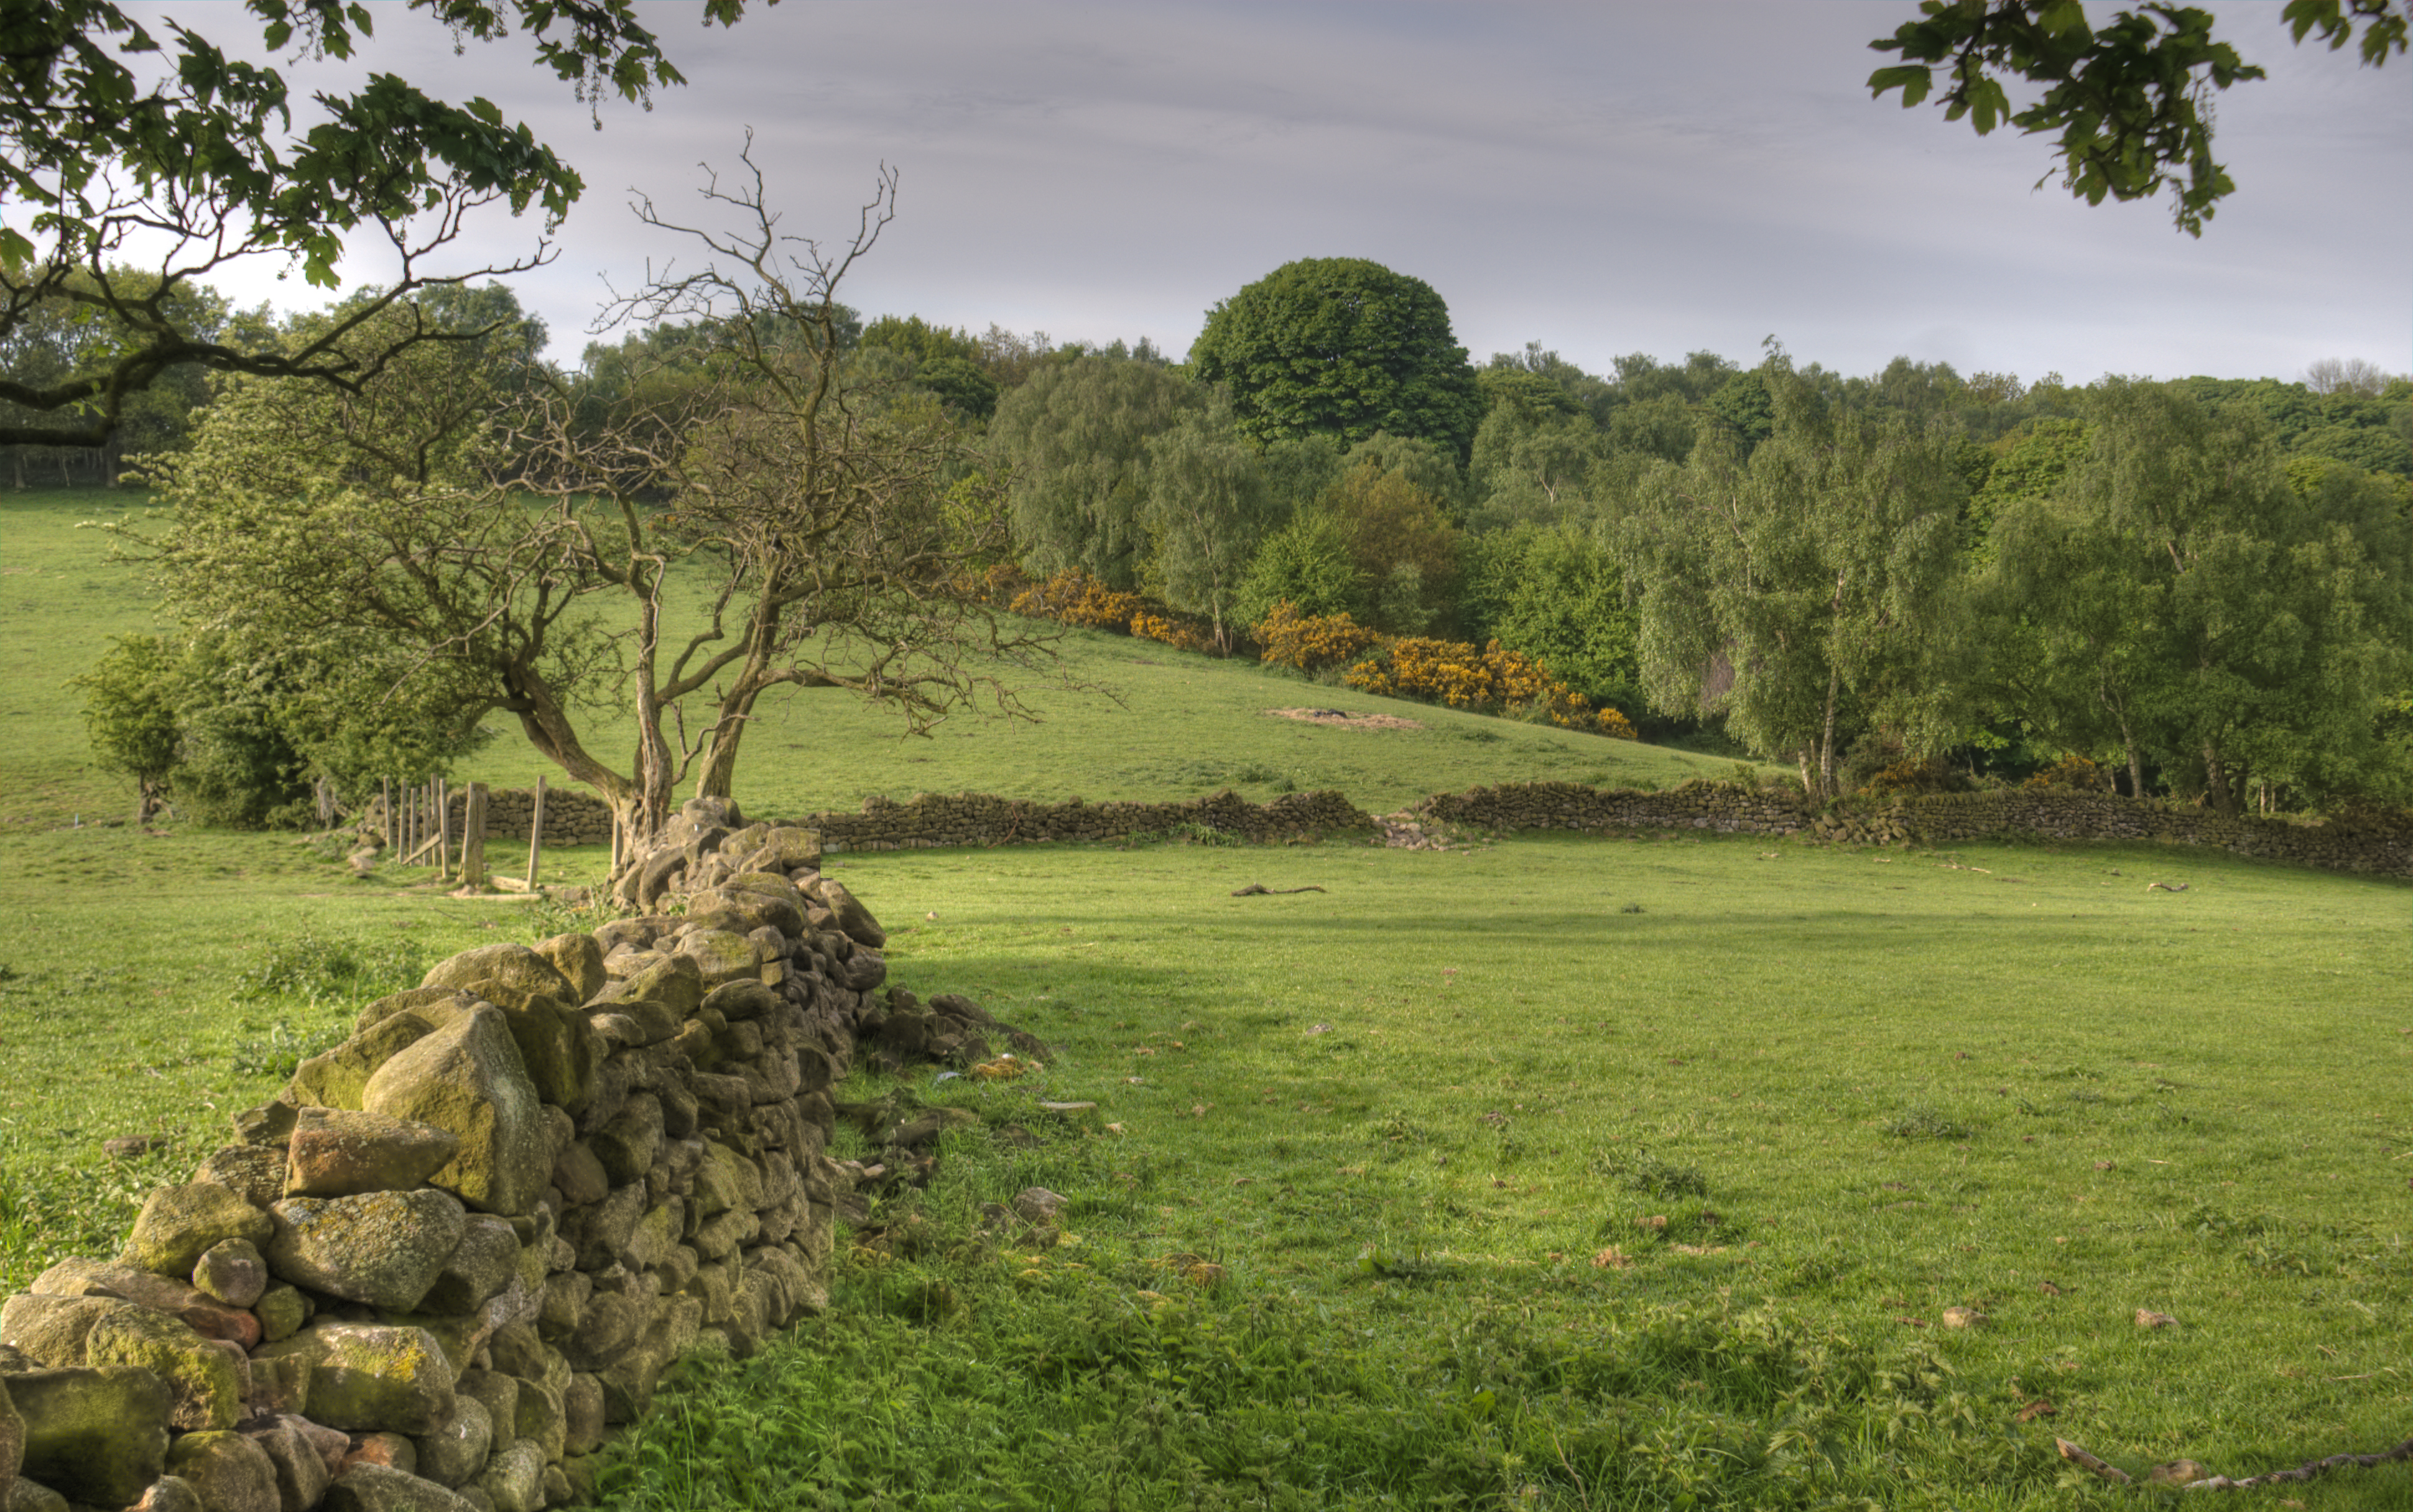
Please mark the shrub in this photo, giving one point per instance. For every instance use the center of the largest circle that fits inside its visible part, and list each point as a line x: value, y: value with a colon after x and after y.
x: 1310, y: 641
x: 2072, y: 772
x: 1074, y: 597
x: 1493, y: 678
x: 1923, y: 774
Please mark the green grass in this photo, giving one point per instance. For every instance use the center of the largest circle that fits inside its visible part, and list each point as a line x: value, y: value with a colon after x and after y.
x: 1407, y: 1114
x: 1139, y: 721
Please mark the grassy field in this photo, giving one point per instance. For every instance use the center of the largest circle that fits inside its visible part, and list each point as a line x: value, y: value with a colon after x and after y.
x: 1146, y: 722
x: 1550, y: 1173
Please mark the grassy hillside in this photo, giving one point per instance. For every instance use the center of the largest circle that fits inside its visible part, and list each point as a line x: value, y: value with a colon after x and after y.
x: 1122, y: 719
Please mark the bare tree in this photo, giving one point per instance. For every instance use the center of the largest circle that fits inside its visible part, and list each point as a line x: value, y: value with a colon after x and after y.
x: 771, y: 518
x: 2345, y: 375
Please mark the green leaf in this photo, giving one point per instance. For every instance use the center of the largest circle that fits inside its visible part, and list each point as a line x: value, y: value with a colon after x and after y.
x: 1914, y: 80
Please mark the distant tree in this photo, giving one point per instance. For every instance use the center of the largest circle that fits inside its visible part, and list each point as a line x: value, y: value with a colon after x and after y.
x: 2129, y: 102
x: 1209, y: 505
x: 1345, y: 346
x: 1306, y: 564
x: 2232, y: 627
x: 1559, y: 597
x: 1073, y: 441
x: 1801, y: 593
x: 2346, y: 375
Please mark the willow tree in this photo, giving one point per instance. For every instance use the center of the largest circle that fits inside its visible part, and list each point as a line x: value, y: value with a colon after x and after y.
x: 1804, y: 593
x: 769, y: 522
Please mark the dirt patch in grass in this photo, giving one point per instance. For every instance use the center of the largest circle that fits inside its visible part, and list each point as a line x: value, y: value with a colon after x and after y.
x: 1343, y: 719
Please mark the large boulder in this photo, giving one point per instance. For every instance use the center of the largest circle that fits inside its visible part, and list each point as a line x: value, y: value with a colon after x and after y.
x: 514, y: 966
x: 338, y: 1151
x: 181, y: 1224
x: 51, y: 1330
x: 721, y: 956
x: 468, y: 1076
x: 369, y: 1376
x: 254, y: 1173
x: 96, y: 1437
x: 479, y: 1268
x: 382, y: 1248
x: 759, y: 898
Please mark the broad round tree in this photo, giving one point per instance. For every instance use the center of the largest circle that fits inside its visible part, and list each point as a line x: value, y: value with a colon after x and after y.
x: 1341, y: 346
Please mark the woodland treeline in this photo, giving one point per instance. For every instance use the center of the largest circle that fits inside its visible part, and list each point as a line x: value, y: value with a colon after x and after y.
x: 2201, y: 589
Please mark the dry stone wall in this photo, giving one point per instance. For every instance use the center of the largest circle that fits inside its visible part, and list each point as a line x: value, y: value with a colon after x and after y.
x: 976, y: 819
x: 1939, y: 818
x: 460, y: 1247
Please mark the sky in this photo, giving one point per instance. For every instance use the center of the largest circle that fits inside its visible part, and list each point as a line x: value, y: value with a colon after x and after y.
x: 1603, y: 177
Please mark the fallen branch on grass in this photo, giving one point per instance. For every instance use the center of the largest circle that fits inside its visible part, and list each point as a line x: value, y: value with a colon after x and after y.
x: 2221, y: 1483
x: 1258, y: 889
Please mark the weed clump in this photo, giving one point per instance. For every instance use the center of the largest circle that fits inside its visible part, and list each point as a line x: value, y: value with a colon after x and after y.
x: 1925, y: 1123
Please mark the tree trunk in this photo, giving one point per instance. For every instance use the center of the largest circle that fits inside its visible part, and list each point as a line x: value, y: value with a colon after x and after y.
x: 1827, y: 738
x: 2216, y: 776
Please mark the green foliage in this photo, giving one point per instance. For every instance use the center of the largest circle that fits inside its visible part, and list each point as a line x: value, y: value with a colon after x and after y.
x: 1075, y: 443
x: 1341, y: 346
x: 2126, y: 102
x: 203, y: 159
x: 1307, y: 565
x: 132, y: 694
x: 1559, y: 597
x: 1208, y: 508
x: 2177, y: 599
x: 1804, y: 594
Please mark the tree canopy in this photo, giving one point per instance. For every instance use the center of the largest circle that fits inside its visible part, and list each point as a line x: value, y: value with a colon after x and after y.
x: 1341, y: 346
x: 112, y: 134
x: 2129, y: 102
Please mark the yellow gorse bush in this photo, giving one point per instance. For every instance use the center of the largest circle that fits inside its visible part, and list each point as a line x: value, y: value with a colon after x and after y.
x: 1492, y: 678
x: 1307, y: 642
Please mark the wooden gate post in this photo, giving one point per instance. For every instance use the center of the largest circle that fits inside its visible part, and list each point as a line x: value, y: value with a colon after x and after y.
x: 536, y: 833
x: 473, y: 837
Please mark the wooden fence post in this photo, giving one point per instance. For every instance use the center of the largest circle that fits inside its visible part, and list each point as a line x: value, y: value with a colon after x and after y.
x: 536, y: 833
x: 385, y: 802
x: 443, y: 831
x: 473, y: 837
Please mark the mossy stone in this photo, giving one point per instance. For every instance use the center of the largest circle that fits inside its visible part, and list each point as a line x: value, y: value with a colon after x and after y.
x: 204, y: 1384
x: 96, y: 1437
x: 338, y: 1077
x: 468, y: 1076
x: 229, y: 1471
x: 504, y: 965
x: 579, y: 957
x: 367, y: 1376
x: 382, y: 1248
x: 181, y: 1224
x: 342, y: 1152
